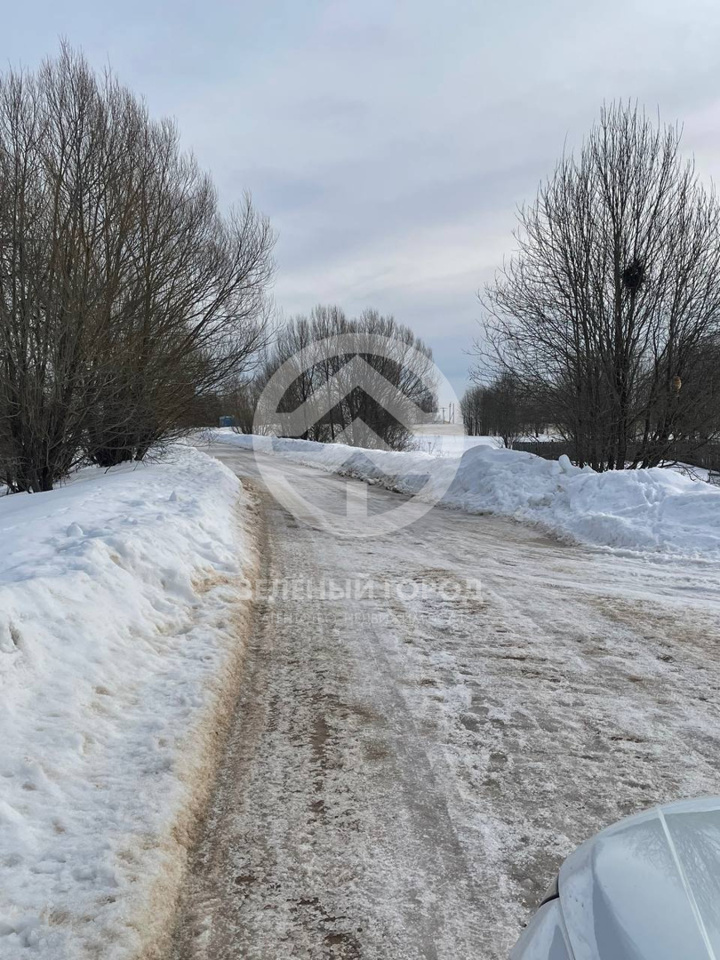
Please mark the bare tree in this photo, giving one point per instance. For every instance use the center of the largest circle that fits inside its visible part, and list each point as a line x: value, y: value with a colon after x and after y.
x: 125, y: 296
x: 471, y: 410
x: 401, y: 378
x: 501, y: 409
x: 613, y: 295
x: 55, y: 212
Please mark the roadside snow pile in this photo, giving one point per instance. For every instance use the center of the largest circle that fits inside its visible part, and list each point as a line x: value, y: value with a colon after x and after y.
x: 116, y: 649
x: 638, y: 510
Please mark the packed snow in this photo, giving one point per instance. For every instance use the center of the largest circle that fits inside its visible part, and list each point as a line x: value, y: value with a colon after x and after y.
x: 654, y: 510
x: 118, y: 638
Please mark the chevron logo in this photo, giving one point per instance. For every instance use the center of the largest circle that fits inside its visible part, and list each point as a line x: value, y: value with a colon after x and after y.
x: 355, y: 373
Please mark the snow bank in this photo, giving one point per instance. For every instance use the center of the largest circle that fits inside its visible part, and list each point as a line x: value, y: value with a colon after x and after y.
x: 119, y: 635
x: 636, y: 510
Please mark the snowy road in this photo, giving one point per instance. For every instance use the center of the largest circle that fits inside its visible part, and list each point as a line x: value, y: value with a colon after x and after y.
x: 408, y: 769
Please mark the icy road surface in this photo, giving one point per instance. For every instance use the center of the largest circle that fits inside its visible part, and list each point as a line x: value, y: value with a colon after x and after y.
x: 407, y: 771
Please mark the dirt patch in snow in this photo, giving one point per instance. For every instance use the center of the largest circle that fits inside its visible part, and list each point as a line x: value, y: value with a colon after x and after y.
x: 696, y: 628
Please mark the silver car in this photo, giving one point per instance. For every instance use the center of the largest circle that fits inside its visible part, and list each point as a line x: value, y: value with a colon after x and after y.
x: 647, y: 888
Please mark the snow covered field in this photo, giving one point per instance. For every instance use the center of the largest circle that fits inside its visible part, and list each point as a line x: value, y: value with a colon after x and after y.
x: 634, y: 510
x: 451, y: 444
x: 120, y: 639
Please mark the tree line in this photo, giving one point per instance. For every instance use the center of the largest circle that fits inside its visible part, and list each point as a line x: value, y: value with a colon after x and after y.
x: 501, y: 409
x: 133, y: 308
x: 126, y: 296
x: 315, y: 354
x: 606, y: 321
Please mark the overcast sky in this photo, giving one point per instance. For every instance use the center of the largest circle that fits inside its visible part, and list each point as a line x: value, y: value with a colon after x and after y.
x: 391, y: 142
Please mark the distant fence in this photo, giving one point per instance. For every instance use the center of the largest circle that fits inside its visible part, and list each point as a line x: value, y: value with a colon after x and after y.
x: 706, y: 457
x: 547, y: 449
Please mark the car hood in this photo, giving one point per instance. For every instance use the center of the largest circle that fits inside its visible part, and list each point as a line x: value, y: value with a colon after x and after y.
x: 647, y: 888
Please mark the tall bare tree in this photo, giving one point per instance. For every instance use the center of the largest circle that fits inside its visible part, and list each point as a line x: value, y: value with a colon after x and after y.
x: 613, y: 295
x: 125, y: 295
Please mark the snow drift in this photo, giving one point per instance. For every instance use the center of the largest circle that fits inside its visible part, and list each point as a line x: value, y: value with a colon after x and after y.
x: 119, y: 635
x: 653, y: 510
